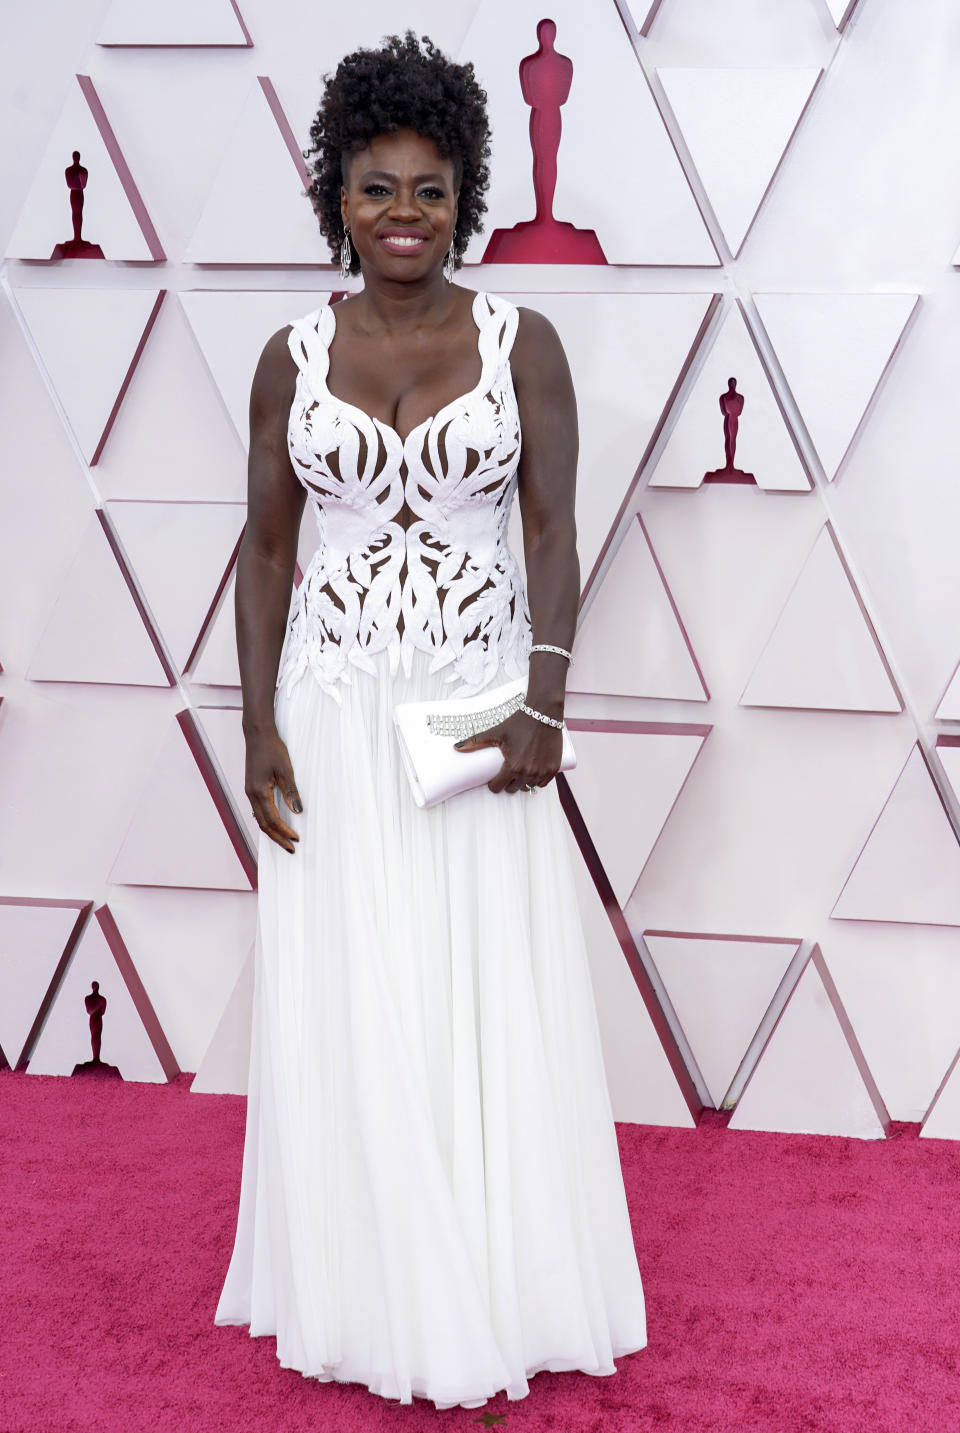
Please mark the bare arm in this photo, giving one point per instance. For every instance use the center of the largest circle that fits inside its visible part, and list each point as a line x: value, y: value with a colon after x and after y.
x: 547, y: 492
x: 546, y: 489
x: 265, y: 567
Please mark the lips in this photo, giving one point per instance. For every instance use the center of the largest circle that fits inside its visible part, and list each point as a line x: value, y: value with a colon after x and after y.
x: 403, y: 241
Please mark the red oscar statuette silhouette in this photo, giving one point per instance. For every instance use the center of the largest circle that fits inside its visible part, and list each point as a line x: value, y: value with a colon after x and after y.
x: 76, y: 248
x: 545, y: 78
x: 96, y: 1005
x: 731, y: 406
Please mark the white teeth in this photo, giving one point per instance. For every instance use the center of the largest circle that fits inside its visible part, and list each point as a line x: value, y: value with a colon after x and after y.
x: 407, y: 242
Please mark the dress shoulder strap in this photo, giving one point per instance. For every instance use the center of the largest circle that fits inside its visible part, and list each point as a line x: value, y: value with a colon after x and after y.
x: 309, y: 342
x: 498, y: 328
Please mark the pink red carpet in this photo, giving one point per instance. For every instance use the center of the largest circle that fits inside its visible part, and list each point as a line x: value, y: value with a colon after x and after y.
x: 794, y: 1284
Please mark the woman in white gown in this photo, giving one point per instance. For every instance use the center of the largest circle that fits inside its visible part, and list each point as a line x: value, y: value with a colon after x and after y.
x: 431, y: 1202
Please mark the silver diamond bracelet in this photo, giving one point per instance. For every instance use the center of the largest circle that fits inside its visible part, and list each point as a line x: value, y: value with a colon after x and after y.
x: 546, y: 647
x: 540, y: 716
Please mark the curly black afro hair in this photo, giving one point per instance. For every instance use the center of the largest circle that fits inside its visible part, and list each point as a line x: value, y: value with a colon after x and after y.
x: 405, y: 84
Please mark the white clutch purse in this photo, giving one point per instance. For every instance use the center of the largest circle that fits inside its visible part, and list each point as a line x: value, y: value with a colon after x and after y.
x: 427, y: 730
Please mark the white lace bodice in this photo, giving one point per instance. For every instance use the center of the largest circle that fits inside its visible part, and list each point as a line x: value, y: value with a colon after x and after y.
x: 448, y: 578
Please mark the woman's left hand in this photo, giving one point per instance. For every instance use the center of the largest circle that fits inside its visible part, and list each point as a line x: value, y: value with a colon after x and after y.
x: 532, y: 751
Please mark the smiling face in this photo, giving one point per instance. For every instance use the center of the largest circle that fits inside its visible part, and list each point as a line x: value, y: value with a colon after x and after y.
x: 399, y: 202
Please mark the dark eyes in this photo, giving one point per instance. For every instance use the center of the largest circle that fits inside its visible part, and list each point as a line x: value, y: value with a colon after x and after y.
x: 429, y: 191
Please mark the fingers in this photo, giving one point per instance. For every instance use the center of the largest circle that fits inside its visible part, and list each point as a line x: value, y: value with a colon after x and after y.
x: 517, y: 775
x: 290, y: 793
x: 521, y: 783
x: 511, y: 778
x: 268, y: 818
x: 491, y: 737
x: 514, y: 775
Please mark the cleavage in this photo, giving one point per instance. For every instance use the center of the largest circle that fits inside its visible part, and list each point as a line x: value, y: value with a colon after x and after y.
x: 448, y: 362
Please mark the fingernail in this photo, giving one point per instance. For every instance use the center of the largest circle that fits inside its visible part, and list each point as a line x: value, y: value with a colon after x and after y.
x: 296, y: 805
x: 463, y: 742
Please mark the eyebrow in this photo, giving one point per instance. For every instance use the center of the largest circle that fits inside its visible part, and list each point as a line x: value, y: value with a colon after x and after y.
x: 386, y: 174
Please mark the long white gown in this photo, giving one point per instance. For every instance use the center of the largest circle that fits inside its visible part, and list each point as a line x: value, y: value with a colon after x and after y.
x: 431, y: 1201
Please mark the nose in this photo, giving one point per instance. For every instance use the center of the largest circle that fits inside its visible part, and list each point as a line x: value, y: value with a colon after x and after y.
x: 404, y: 204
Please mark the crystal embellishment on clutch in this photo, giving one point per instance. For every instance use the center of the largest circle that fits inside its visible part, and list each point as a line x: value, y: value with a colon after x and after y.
x: 461, y: 724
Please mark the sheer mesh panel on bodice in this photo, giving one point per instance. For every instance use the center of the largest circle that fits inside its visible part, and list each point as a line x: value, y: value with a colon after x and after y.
x: 413, y: 551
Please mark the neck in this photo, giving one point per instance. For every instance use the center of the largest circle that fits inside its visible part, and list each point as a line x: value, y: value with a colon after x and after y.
x: 385, y: 305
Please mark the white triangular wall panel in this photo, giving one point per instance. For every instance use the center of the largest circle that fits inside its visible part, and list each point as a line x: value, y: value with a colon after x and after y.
x: 179, y: 553
x: 95, y: 632
x: 764, y: 446
x: 833, y: 349
x: 737, y: 125
x: 631, y: 641
x: 89, y: 342
x: 949, y: 708
x: 33, y: 937
x: 948, y: 750
x: 113, y: 213
x: 225, y: 1067
x: 653, y: 222
x: 626, y: 353
x: 176, y: 836
x: 840, y: 11
x: 808, y: 1080
x: 64, y: 1040
x: 232, y: 328
x: 721, y: 988
x: 224, y: 731
x: 942, y: 1120
x: 822, y: 653
x: 643, y: 1088
x: 626, y: 785
x: 257, y: 211
x: 216, y: 664
x: 909, y: 867
x: 644, y: 13
x: 187, y: 940
x: 175, y: 22
x: 900, y: 987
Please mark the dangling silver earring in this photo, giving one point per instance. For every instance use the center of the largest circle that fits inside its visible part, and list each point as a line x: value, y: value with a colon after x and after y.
x: 346, y: 255
x: 448, y: 266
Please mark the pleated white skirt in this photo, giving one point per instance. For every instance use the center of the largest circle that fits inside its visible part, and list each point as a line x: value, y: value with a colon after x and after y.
x: 431, y: 1202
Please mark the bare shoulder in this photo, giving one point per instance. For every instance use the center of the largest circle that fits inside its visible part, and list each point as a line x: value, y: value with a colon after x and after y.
x: 276, y: 353
x: 537, y: 352
x: 276, y: 370
x: 535, y: 331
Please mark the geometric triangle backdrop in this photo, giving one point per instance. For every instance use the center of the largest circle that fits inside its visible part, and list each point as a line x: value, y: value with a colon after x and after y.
x: 823, y: 653
x: 834, y: 350
x: 114, y: 216
x: 89, y: 342
x: 132, y: 1039
x: 705, y: 973
x: 175, y: 22
x: 909, y: 866
x: 750, y: 113
x: 811, y: 1077
x: 632, y: 641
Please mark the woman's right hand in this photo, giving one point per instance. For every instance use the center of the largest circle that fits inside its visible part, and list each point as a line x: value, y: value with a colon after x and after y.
x: 268, y: 766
